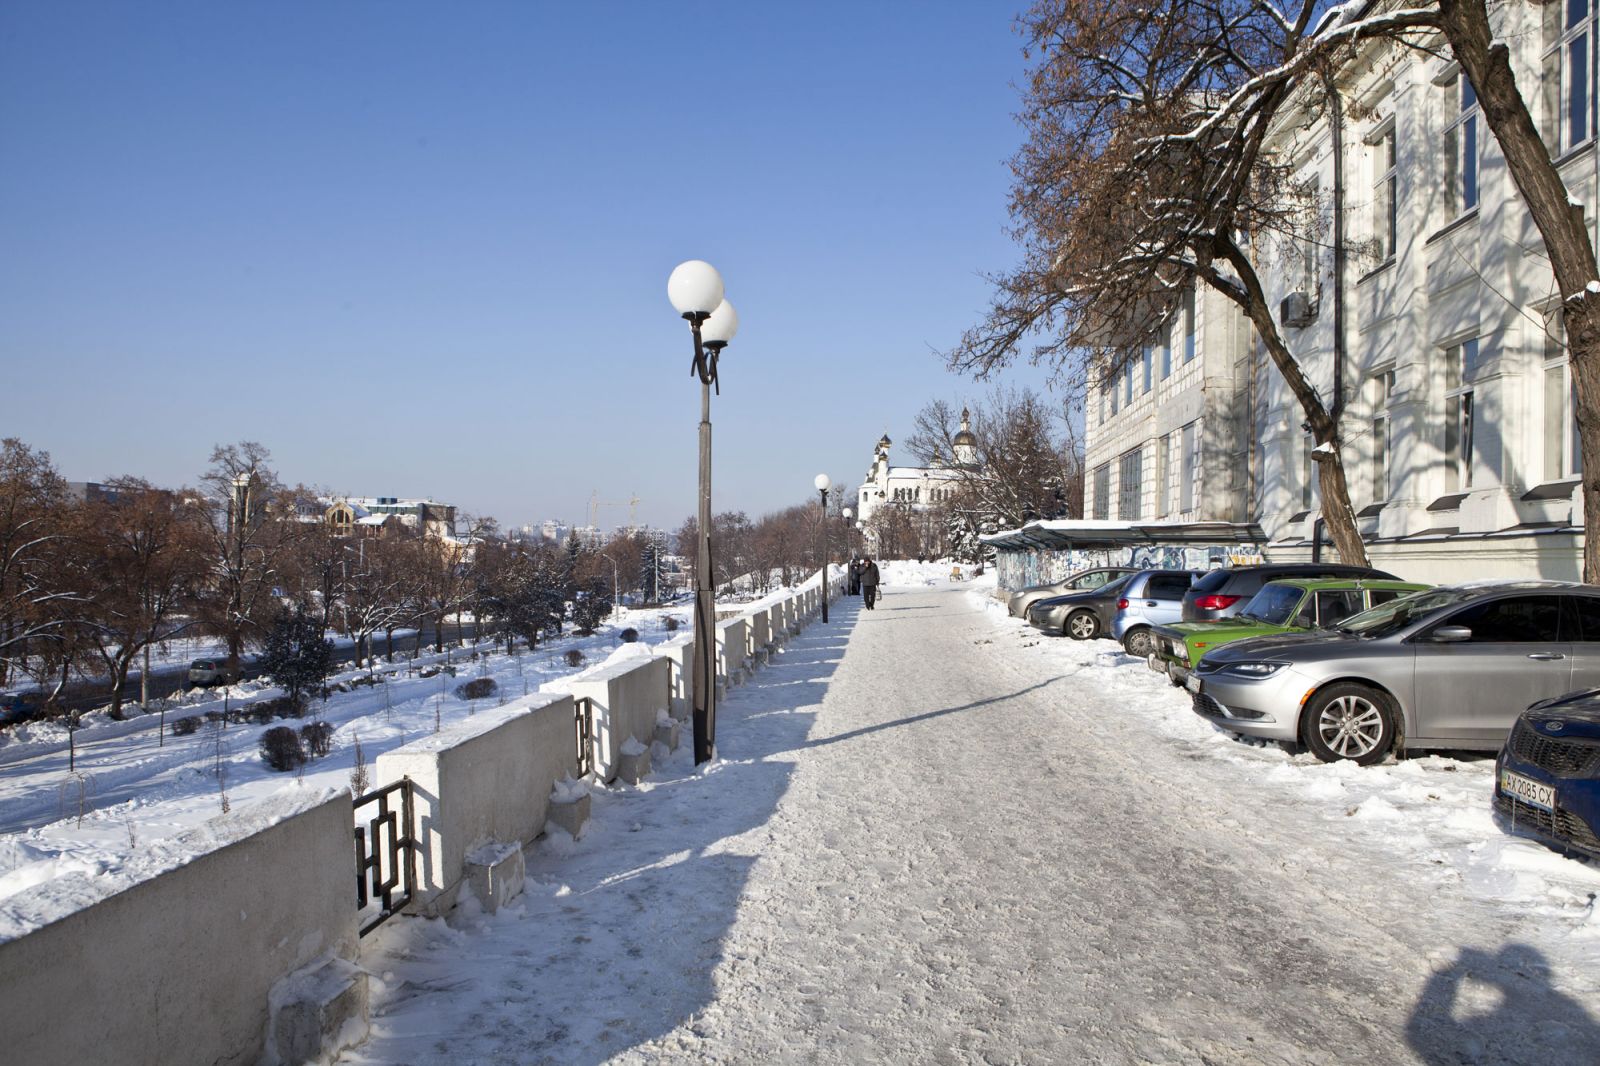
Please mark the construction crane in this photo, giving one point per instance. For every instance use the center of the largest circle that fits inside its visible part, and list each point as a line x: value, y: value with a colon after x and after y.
x: 595, y: 503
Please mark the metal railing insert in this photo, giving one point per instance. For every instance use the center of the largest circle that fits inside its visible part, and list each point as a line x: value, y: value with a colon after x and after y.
x: 386, y: 853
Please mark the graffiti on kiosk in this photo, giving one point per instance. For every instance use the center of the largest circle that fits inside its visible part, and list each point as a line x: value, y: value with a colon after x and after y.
x: 1019, y: 569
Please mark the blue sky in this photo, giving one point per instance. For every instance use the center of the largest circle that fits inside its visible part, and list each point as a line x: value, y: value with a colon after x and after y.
x: 422, y: 249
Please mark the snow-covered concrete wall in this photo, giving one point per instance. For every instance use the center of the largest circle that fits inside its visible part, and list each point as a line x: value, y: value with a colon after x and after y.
x: 757, y: 634
x: 731, y: 638
x: 679, y: 653
x: 485, y: 780
x: 178, y: 967
x: 627, y: 695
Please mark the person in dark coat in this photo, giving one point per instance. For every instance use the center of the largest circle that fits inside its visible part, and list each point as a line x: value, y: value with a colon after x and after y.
x: 869, y: 582
x: 855, y: 576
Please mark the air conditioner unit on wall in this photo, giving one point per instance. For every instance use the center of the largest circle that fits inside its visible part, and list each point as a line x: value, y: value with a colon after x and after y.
x: 1297, y: 310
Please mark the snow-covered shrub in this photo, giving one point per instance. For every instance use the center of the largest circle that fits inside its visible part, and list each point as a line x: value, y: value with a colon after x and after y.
x: 574, y: 657
x: 182, y: 727
x: 318, y: 738
x: 476, y: 689
x: 281, y: 749
x: 672, y: 623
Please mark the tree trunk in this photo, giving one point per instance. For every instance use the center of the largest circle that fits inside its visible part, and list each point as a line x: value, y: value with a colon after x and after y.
x: 1560, y: 222
x: 388, y: 645
x: 119, y: 677
x: 1337, y: 511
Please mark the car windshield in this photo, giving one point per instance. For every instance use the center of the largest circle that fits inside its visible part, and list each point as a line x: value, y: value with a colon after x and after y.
x: 1390, y: 617
x: 1274, y: 604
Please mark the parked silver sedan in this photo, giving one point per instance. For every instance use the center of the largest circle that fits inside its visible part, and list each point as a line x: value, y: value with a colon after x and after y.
x: 1448, y: 668
x: 1078, y: 581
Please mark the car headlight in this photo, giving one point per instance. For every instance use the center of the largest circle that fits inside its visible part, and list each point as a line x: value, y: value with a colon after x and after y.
x: 1253, y: 670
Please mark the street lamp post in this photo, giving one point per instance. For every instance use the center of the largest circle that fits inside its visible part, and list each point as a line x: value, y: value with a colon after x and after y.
x: 695, y: 289
x: 849, y: 546
x: 823, y: 483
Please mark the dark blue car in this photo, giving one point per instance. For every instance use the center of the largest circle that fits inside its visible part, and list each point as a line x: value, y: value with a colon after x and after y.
x: 1547, y: 778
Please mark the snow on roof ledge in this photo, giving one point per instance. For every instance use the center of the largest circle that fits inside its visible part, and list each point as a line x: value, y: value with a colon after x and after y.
x: 1085, y: 533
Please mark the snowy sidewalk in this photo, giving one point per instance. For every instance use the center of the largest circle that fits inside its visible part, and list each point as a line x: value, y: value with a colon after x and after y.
x: 925, y: 844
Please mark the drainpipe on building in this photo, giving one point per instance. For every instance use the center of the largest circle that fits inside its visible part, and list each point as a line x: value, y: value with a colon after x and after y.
x: 1336, y: 125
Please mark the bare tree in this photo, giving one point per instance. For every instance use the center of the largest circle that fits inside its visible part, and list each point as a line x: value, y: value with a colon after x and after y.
x: 34, y: 605
x: 252, y: 529
x: 1144, y: 171
x: 148, y: 552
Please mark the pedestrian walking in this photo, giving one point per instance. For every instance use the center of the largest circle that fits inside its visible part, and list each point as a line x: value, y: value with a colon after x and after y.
x: 869, y: 582
x: 855, y: 576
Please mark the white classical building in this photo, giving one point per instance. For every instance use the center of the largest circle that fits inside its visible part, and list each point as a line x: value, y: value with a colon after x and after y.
x: 917, y: 488
x: 1454, y: 396
x: 1164, y: 437
x: 1457, y: 427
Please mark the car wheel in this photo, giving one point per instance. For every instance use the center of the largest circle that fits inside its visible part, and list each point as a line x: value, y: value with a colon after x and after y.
x: 1138, y: 643
x: 1082, y: 625
x: 1349, y: 721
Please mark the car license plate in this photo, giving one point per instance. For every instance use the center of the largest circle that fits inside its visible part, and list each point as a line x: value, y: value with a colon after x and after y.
x: 1192, y: 683
x: 1528, y: 790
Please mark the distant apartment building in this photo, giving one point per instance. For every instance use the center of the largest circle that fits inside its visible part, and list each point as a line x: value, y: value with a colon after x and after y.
x: 347, y: 514
x: 1163, y: 431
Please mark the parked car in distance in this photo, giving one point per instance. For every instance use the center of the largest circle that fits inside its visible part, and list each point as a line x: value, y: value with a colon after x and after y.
x: 17, y: 707
x: 1285, y: 606
x: 1223, y: 593
x: 210, y: 672
x: 1079, y: 615
x: 1081, y: 581
x: 1547, y: 777
x: 1150, y: 598
x: 1448, y: 668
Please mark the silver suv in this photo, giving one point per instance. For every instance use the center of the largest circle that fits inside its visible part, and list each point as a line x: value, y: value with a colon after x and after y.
x: 210, y: 672
x: 1151, y: 598
x: 1448, y: 668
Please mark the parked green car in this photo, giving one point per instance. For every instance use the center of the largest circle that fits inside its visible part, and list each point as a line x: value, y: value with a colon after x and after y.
x: 1280, y: 607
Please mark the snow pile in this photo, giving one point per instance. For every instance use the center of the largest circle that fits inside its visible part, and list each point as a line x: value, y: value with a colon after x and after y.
x: 40, y: 897
x: 569, y: 790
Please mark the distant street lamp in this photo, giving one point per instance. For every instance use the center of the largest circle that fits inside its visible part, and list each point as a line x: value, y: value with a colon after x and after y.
x: 695, y: 289
x: 823, y: 482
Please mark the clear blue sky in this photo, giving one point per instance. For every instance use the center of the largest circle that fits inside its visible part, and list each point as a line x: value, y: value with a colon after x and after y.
x: 422, y: 249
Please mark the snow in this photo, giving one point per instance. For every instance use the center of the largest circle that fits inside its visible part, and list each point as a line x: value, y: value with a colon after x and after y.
x: 142, y: 795
x: 932, y: 834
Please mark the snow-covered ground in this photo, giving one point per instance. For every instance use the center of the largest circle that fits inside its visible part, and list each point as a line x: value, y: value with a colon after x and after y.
x: 134, y: 787
x: 933, y: 835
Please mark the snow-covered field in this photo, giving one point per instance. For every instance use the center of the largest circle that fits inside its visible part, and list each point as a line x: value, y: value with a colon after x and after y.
x: 131, y: 786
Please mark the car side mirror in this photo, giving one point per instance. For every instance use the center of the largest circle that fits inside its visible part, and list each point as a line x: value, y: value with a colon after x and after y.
x: 1450, y: 635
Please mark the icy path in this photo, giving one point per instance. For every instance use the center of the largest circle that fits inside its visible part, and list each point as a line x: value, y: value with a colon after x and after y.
x: 926, y: 844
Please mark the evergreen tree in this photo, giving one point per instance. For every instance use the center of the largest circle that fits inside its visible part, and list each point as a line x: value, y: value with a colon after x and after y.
x: 590, y: 606
x: 295, y: 655
x: 650, y: 568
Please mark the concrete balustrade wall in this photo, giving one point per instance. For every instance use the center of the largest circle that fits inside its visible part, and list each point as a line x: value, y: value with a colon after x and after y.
x: 679, y: 653
x: 777, y: 628
x: 481, y: 781
x: 731, y: 637
x: 757, y: 635
x: 179, y: 967
x: 626, y: 697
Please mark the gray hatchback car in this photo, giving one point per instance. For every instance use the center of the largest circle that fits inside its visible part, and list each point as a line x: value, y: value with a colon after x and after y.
x: 1451, y: 667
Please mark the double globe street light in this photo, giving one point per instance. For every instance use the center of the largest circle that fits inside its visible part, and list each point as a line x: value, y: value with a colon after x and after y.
x: 823, y: 483
x: 695, y: 289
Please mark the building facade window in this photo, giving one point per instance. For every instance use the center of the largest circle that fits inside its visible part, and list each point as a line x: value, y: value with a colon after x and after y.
x: 1385, y: 189
x: 1461, y: 140
x: 1149, y: 360
x: 1381, y: 387
x: 1308, y: 472
x: 1167, y: 328
x: 1127, y: 383
x: 1460, y: 363
x: 1569, y: 73
x: 1563, y: 451
x: 1188, y: 324
x: 1130, y: 484
x: 1189, y: 479
x: 1163, y: 475
x: 1102, y: 492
